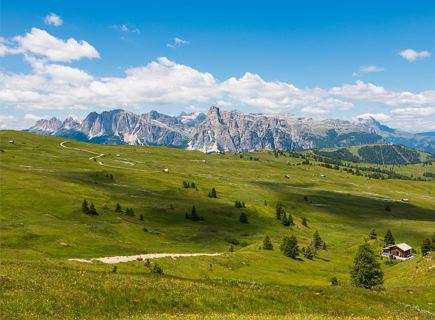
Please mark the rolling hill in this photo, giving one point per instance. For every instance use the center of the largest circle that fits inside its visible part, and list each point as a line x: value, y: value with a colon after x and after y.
x: 44, y: 181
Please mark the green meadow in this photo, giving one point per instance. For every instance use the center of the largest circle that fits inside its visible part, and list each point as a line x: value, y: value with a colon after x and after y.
x: 42, y: 225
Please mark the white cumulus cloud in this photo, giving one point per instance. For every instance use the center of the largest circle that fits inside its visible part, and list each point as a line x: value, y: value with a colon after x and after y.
x: 411, y: 55
x: 41, y: 43
x: 53, y: 19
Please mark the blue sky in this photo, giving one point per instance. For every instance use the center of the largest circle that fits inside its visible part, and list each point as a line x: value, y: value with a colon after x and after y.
x: 322, y: 59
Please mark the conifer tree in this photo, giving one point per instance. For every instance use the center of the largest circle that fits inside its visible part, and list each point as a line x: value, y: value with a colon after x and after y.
x: 389, y: 239
x: 290, y: 220
x: 92, y: 210
x: 267, y: 243
x: 304, y: 222
x: 289, y: 247
x: 334, y: 281
x: 85, y: 207
x: 278, y: 210
x: 324, y: 246
x: 284, y: 220
x: 243, y: 217
x: 141, y: 217
x: 373, y: 235
x: 425, y: 247
x: 309, y: 253
x: 193, y: 215
x: 118, y: 208
x: 387, y: 208
x: 317, y: 240
x: 366, y: 271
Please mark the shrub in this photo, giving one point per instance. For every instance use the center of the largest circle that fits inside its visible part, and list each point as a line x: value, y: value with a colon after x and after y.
x: 334, y: 281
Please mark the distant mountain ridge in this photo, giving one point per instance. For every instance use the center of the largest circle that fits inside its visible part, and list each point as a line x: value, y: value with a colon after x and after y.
x: 234, y: 131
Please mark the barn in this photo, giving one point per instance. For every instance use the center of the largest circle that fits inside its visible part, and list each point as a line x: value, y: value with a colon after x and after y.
x: 401, y: 251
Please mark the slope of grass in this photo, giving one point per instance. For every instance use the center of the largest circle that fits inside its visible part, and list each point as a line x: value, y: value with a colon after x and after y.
x: 42, y: 225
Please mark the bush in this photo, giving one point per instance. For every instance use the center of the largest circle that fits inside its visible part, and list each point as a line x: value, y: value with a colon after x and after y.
x: 243, y: 218
x: 156, y: 268
x: 334, y: 281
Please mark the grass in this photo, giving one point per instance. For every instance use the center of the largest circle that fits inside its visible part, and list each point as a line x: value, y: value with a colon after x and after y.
x: 41, y: 226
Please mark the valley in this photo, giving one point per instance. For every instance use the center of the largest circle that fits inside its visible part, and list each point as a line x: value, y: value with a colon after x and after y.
x: 45, y: 181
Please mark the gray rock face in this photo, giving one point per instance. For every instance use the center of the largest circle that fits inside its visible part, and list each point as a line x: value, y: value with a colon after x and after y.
x: 235, y: 131
x: 47, y: 126
x: 227, y: 131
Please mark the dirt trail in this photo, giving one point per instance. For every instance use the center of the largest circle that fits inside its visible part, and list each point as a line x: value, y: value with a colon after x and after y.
x: 118, y: 259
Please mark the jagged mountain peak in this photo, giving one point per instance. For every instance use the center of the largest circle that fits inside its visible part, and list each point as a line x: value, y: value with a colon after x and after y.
x: 221, y: 130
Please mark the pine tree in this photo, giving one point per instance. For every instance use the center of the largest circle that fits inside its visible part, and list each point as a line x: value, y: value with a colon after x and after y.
x: 373, y: 235
x: 289, y: 247
x: 141, y: 217
x: 243, y: 204
x: 389, y: 239
x: 193, y: 185
x: 305, y: 198
x: 185, y: 184
x: 387, y: 208
x: 193, y: 215
x: 278, y: 210
x: 213, y: 193
x: 366, y: 271
x: 290, y: 220
x: 237, y: 204
x: 118, y: 208
x: 309, y: 253
x: 334, y: 281
x: 324, y: 246
x: 92, y: 210
x: 231, y: 249
x: 304, y: 222
x: 85, y: 207
x: 267, y: 243
x: 284, y: 220
x: 265, y: 202
x: 243, y: 217
x: 425, y: 247
x: 317, y: 240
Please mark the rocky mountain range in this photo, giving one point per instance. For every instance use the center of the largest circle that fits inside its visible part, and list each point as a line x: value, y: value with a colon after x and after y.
x: 228, y: 131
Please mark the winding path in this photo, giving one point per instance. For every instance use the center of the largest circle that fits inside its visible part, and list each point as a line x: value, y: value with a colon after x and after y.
x: 140, y: 257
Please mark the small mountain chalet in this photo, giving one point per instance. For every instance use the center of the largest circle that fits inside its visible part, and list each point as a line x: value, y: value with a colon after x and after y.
x: 400, y: 251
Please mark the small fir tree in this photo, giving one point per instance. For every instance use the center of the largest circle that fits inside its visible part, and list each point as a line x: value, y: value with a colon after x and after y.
x: 309, y: 253
x: 334, y: 281
x: 425, y: 247
x: 373, y: 235
x: 118, y: 208
x: 85, y: 207
x: 289, y: 247
x: 278, y: 210
x: 366, y: 271
x: 267, y: 243
x: 389, y: 239
x: 92, y: 210
x: 304, y: 222
x: 243, y: 218
x: 316, y: 240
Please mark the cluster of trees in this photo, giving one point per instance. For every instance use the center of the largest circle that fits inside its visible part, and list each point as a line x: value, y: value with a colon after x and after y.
x: 193, y: 215
x: 428, y: 245
x: 89, y: 209
x: 212, y: 193
x: 128, y: 211
x: 187, y: 185
x: 239, y: 204
x: 286, y: 220
x: 316, y: 244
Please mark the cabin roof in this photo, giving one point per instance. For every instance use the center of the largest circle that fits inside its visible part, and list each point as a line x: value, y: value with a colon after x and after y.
x: 401, y: 246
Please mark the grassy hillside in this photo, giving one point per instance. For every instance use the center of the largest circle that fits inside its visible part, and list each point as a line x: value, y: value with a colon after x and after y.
x: 378, y: 154
x: 43, y: 185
